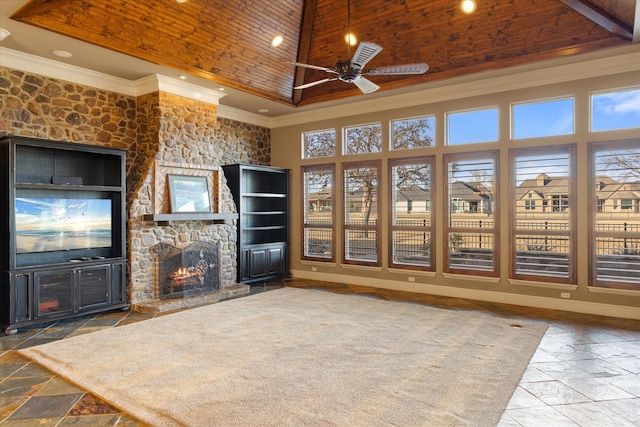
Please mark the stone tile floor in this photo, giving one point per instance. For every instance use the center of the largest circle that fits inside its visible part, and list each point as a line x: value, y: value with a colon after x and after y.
x: 586, y: 371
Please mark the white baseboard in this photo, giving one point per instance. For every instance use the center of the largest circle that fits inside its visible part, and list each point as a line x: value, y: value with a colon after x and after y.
x: 599, y: 309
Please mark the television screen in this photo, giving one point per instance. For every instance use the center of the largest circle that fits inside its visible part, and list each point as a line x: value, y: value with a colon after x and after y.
x: 45, y: 225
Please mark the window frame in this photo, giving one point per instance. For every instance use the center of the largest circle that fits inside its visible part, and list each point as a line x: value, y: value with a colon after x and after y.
x: 513, y: 105
x: 406, y: 119
x: 331, y: 167
x: 392, y: 227
x: 345, y: 140
x: 593, y: 94
x: 447, y: 126
x: 377, y: 165
x: 495, y: 205
x: 595, y: 207
x: 304, y: 146
x: 571, y: 206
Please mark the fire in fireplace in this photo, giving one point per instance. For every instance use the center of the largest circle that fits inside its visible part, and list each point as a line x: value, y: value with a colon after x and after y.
x: 188, y: 271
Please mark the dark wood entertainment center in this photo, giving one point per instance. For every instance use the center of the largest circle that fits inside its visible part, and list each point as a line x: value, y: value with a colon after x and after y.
x: 64, y: 227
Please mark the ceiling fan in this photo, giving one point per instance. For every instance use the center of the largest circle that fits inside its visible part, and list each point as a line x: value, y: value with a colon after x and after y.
x: 352, y: 71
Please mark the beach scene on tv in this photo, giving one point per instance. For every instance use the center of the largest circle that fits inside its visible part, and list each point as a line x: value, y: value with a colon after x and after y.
x: 45, y: 224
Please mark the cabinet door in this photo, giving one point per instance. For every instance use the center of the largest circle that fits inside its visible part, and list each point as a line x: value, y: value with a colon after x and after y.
x: 93, y: 285
x: 276, y: 260
x: 258, y: 262
x: 54, y: 292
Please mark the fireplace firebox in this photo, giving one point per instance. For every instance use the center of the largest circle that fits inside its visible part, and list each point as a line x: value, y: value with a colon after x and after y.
x: 184, y: 272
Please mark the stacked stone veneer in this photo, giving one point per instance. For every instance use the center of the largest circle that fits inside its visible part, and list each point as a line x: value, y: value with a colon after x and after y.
x: 160, y: 132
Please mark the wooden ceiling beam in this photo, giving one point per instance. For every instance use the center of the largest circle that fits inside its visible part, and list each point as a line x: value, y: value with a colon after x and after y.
x: 304, y: 43
x: 600, y: 17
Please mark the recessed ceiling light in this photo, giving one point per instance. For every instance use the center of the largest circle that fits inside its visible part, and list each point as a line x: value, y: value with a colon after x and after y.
x: 4, y: 34
x: 181, y: 1
x: 263, y: 110
x: 277, y: 40
x: 221, y: 89
x: 468, y: 6
x: 62, y: 53
x: 182, y: 77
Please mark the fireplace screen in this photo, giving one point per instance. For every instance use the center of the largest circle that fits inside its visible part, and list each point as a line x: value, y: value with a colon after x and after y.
x: 189, y: 271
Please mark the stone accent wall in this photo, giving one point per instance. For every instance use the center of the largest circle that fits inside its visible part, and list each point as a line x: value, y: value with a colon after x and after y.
x: 42, y: 107
x: 155, y: 129
x: 192, y: 139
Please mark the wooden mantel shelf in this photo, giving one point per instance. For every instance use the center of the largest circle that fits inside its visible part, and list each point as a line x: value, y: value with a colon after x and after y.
x: 168, y: 219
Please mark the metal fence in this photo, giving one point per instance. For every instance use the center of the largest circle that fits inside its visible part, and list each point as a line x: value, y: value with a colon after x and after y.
x: 412, y: 248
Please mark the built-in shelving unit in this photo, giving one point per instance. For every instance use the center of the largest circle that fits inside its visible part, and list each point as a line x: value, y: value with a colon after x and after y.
x: 63, y: 208
x: 261, y: 196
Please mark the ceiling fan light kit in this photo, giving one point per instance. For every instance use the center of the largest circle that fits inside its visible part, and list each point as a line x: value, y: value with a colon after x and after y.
x: 468, y: 6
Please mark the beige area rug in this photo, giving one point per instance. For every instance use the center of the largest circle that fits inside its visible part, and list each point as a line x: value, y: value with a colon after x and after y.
x: 300, y: 357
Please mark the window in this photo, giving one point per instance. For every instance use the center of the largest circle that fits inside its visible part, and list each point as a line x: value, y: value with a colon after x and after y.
x: 616, y: 232
x: 318, y: 215
x: 615, y: 110
x: 542, y: 239
x: 361, y: 208
x: 319, y: 144
x: 546, y: 118
x: 471, y: 233
x: 626, y: 204
x: 413, y: 133
x: 472, y: 126
x: 411, y: 215
x: 363, y: 139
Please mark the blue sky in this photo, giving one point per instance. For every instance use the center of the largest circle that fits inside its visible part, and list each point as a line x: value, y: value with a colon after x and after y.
x: 46, y: 213
x: 609, y: 111
x: 617, y: 110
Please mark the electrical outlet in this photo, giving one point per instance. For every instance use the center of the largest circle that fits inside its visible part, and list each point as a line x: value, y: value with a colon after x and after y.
x: 565, y: 295
x: 412, y: 279
x: 314, y: 269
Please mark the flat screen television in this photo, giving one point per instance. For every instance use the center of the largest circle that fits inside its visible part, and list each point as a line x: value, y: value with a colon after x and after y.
x: 61, y: 224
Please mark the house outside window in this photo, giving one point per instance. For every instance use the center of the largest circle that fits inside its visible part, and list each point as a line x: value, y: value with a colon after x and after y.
x: 411, y: 227
x: 615, y: 232
x: 542, y: 240
x: 318, y: 215
x: 471, y: 232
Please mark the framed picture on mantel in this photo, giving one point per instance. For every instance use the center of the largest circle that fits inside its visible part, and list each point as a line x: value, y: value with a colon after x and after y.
x: 189, y: 194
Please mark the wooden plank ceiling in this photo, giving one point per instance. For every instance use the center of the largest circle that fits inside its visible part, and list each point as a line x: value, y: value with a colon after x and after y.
x: 229, y: 41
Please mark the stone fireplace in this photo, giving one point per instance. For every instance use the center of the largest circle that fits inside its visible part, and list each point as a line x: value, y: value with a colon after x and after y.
x: 186, y: 272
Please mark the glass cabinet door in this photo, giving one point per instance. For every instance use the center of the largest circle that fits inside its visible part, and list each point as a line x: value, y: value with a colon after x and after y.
x: 54, y: 292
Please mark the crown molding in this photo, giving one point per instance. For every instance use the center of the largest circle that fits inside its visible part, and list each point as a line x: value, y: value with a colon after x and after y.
x: 244, y: 116
x: 59, y: 70
x: 158, y: 82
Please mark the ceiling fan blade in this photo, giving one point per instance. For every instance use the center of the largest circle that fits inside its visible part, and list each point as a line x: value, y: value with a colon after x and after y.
x: 306, y: 85
x: 314, y: 67
x: 365, y: 53
x: 420, y: 68
x: 366, y: 86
